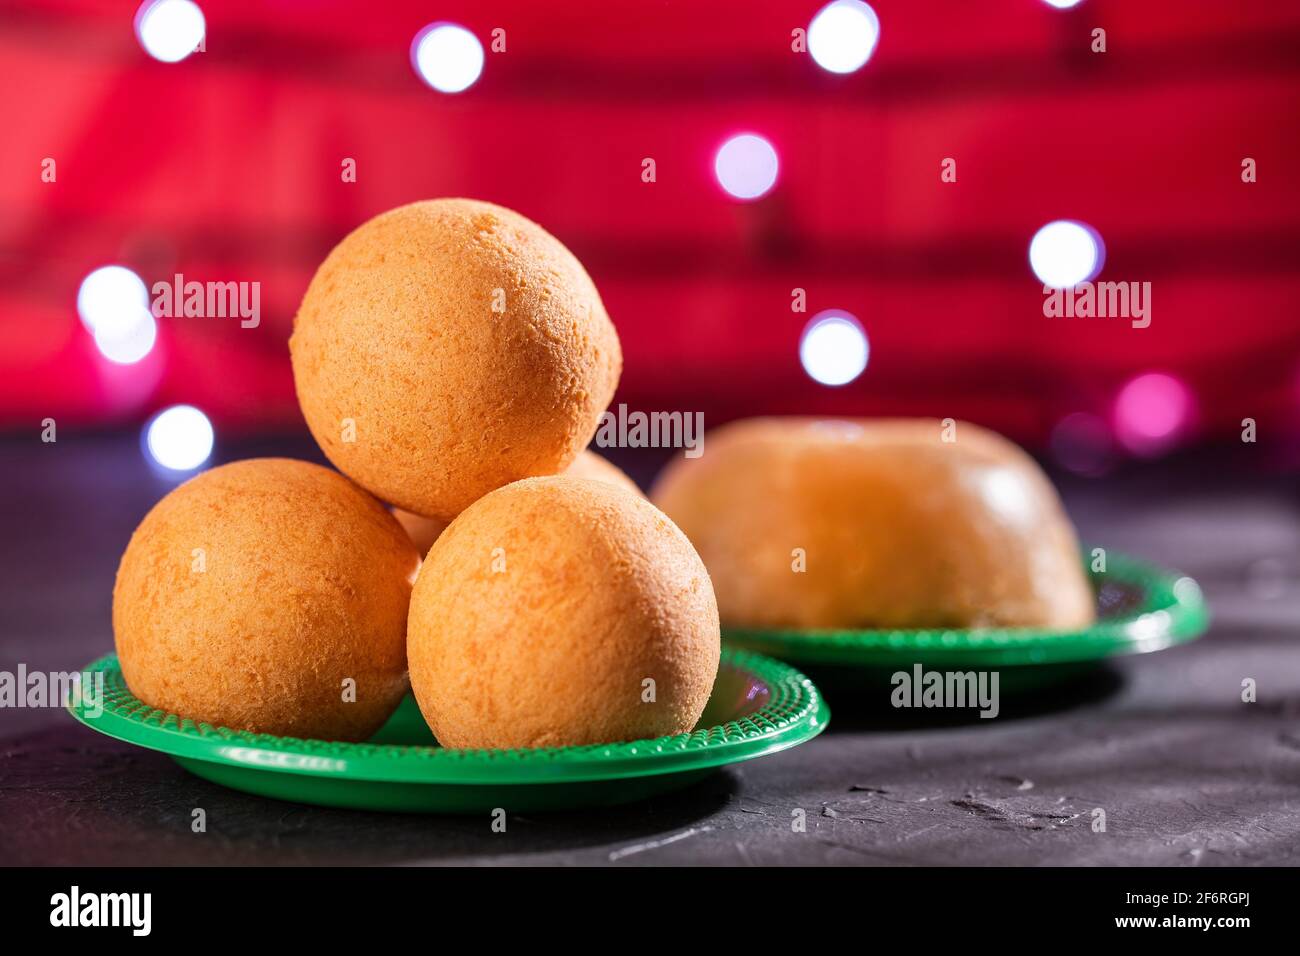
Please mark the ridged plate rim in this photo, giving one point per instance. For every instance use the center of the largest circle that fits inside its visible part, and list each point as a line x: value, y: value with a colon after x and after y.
x: 794, y: 713
x: 1172, y: 611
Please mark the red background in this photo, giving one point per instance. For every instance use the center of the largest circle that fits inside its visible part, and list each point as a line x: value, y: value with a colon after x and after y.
x: 226, y: 166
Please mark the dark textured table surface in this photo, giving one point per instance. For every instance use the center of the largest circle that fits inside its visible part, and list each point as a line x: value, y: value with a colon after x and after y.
x: 1187, y: 773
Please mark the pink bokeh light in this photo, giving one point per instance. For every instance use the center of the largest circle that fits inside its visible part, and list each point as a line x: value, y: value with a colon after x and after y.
x: 1152, y: 413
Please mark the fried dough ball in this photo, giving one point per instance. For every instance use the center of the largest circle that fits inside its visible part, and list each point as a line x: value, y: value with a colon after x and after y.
x: 254, y: 595
x: 448, y: 347
x: 561, y: 611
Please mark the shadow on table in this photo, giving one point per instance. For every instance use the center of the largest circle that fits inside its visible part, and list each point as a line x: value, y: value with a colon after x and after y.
x: 868, y: 699
x: 73, y: 798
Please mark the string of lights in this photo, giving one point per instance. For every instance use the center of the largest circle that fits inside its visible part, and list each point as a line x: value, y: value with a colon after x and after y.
x: 1150, y: 409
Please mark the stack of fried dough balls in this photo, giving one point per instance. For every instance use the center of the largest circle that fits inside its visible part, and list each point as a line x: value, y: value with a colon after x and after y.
x: 250, y: 597
x: 449, y: 356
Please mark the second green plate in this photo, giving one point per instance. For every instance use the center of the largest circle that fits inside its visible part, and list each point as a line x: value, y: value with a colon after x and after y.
x: 1140, y: 608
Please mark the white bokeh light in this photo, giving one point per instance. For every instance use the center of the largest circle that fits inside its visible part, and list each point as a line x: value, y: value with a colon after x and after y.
x: 833, y: 348
x: 1062, y: 4
x: 448, y: 57
x: 110, y: 298
x: 125, y: 343
x: 842, y: 36
x: 746, y: 166
x: 180, y: 438
x: 169, y: 30
x: 1064, y: 253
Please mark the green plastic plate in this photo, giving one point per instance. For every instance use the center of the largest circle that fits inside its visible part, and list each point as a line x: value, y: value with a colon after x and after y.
x: 1140, y: 608
x: 759, y: 706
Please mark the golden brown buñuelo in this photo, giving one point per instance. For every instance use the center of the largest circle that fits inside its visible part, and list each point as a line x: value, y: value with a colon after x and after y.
x: 807, y: 523
x: 448, y: 347
x: 424, y: 531
x: 544, y: 609
x: 251, y: 593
